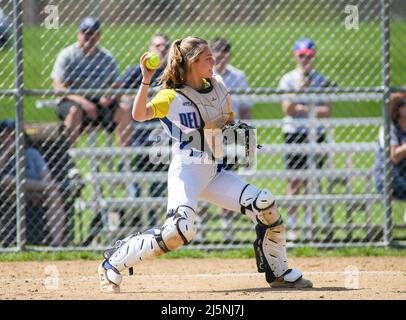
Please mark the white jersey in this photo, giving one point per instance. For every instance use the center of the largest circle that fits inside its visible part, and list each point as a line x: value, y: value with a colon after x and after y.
x: 186, y: 113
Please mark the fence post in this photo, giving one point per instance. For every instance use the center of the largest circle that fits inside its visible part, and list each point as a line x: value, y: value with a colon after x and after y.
x: 385, y: 25
x: 20, y: 143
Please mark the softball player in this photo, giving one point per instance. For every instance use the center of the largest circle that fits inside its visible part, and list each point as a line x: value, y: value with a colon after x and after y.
x: 194, y: 103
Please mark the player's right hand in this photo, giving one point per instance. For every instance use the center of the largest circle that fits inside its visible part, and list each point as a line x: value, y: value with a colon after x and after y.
x: 146, y: 73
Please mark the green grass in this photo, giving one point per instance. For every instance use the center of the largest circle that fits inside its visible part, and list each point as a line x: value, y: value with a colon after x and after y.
x: 198, y: 254
x: 48, y: 256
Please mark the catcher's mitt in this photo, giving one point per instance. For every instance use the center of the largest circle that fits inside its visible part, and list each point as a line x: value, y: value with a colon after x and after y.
x: 241, y: 133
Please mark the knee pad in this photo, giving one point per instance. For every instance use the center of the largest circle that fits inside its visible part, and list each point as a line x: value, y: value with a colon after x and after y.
x: 179, y: 227
x: 262, y: 204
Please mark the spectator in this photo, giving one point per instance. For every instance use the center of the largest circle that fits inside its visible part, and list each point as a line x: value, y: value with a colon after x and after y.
x: 231, y: 76
x: 132, y: 79
x: 86, y: 65
x: 303, y: 76
x: 41, y: 191
x: 4, y: 29
x: 397, y: 149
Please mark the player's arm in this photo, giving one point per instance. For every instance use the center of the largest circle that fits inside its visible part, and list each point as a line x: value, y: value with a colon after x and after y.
x: 141, y: 111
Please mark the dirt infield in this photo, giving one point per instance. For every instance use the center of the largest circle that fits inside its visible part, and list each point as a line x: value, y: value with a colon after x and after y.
x: 214, y: 279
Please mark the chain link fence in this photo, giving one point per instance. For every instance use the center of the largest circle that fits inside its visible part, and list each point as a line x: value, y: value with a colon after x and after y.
x: 67, y: 184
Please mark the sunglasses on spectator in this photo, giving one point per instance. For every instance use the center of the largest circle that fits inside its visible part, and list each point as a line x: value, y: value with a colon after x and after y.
x: 305, y: 56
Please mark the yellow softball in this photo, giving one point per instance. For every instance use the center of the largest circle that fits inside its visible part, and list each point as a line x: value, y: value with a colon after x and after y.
x: 152, y: 61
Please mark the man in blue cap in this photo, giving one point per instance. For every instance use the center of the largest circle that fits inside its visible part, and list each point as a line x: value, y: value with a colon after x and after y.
x: 303, y: 76
x: 87, y: 65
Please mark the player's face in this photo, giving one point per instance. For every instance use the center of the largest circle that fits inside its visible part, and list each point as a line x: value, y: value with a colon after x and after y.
x: 203, y: 66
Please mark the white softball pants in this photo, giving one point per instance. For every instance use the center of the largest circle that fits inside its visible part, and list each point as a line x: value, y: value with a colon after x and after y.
x: 188, y: 183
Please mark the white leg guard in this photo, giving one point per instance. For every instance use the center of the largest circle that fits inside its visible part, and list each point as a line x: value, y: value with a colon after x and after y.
x: 270, y: 245
x: 178, y: 230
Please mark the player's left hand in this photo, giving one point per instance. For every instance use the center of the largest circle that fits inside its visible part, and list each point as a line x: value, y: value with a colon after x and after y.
x: 244, y: 130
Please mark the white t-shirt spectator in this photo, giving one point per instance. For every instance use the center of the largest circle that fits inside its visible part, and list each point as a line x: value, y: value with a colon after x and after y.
x: 292, y: 81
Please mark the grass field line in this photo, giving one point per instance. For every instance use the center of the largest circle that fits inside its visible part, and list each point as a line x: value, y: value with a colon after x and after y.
x: 201, y: 275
